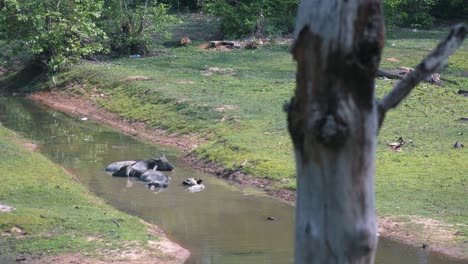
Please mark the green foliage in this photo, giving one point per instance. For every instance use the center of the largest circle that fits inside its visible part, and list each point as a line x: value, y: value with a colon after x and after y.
x: 56, y: 33
x: 259, y: 17
x: 451, y: 9
x: 183, y: 5
x: 421, y: 13
x: 409, y: 13
x: 130, y: 24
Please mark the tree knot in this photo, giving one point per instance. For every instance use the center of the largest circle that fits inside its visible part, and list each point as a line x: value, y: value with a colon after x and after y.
x: 331, y: 132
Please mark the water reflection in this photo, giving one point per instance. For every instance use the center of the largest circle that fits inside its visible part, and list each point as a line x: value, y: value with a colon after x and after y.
x: 221, y: 224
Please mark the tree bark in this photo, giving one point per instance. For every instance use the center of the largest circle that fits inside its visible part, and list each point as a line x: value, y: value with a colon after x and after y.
x: 334, y: 119
x: 333, y: 122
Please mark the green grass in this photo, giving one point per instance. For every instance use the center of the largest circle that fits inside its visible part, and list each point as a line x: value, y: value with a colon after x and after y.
x: 428, y: 178
x: 55, y: 213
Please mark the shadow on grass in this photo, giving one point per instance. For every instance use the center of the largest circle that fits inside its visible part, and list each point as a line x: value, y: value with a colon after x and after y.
x: 23, y: 81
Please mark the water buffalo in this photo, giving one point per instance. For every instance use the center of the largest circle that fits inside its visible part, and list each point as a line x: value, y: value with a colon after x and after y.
x: 113, y: 167
x: 140, y: 166
x: 153, y: 177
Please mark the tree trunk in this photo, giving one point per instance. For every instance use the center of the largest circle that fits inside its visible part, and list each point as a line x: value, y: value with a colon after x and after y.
x: 334, y: 119
x: 333, y: 122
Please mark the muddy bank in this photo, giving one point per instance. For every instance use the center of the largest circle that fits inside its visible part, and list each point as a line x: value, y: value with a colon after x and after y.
x: 163, y: 251
x: 436, y: 238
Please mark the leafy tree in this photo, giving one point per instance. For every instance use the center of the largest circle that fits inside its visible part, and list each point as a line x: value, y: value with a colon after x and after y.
x: 130, y: 24
x: 56, y: 33
x: 450, y: 9
x: 408, y: 13
x: 259, y: 17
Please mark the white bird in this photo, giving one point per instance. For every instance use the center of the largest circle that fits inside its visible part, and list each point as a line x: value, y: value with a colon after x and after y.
x: 195, y: 184
x: 196, y: 188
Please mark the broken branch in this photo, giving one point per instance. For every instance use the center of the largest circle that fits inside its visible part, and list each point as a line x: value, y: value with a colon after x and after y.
x: 428, y: 66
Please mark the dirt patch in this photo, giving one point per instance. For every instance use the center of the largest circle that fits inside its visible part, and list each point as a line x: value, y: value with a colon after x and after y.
x: 222, y: 71
x: 425, y: 233
x: 16, y: 232
x: 30, y: 145
x: 135, y: 78
x: 159, y: 252
x: 6, y: 209
x: 185, y: 82
x: 227, y: 107
x: 393, y: 59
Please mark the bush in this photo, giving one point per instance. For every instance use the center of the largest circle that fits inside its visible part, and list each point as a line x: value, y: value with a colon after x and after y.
x: 56, y: 34
x: 408, y: 13
x: 258, y: 17
x: 130, y: 25
x: 450, y: 9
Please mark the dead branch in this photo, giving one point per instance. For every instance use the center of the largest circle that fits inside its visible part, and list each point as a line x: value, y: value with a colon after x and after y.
x: 401, y: 73
x: 432, y: 63
x: 389, y: 74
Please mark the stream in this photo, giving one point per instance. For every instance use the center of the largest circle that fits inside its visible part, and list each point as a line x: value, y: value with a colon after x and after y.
x: 223, y: 224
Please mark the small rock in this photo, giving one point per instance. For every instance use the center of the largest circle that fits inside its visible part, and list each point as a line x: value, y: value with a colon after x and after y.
x: 20, y: 259
x: 458, y: 145
x: 16, y: 229
x: 185, y: 41
x: 243, y: 163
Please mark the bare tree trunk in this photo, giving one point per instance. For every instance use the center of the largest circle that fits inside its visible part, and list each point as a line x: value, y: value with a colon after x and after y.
x: 333, y: 120
x: 333, y: 123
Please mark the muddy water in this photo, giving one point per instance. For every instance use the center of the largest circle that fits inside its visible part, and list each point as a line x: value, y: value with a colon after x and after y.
x: 222, y: 224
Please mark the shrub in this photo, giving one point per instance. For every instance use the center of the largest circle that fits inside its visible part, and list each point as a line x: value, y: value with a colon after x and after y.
x: 258, y: 17
x: 130, y: 24
x: 408, y: 13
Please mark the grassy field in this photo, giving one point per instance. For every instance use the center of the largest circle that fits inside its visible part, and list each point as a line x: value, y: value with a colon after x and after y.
x: 55, y: 214
x: 234, y: 100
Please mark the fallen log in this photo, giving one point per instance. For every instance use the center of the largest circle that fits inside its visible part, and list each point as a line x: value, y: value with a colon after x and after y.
x: 228, y: 44
x: 401, y: 72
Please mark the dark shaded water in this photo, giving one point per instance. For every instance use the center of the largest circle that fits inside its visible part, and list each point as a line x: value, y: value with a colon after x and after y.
x: 222, y: 224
